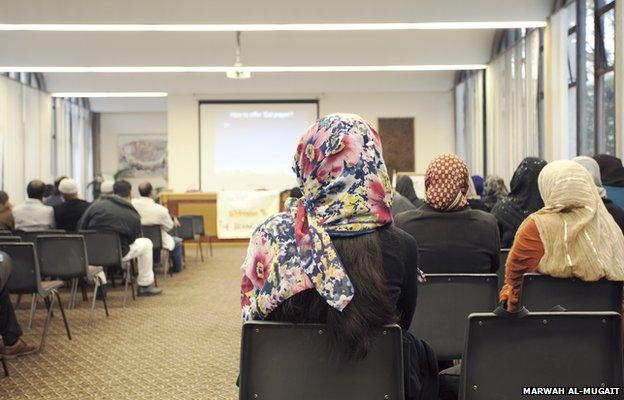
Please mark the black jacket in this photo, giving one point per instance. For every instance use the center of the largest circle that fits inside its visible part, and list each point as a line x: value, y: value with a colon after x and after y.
x: 114, y: 214
x: 68, y: 213
x: 462, y: 241
x: 616, y: 212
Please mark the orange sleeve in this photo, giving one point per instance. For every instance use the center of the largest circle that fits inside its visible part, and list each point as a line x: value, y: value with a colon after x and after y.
x: 524, y: 257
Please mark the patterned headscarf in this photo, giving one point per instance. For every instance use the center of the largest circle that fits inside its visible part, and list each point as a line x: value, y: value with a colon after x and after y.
x: 346, y: 192
x: 446, y: 183
x: 494, y: 190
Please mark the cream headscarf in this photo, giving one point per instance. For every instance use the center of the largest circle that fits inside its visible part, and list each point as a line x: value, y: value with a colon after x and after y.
x: 594, y: 169
x: 580, y: 237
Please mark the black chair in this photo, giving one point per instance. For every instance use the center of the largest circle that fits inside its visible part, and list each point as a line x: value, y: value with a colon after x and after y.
x: 188, y: 231
x: 504, y: 253
x: 4, y: 232
x: 72, y: 265
x: 31, y: 236
x: 561, y: 349
x: 26, y: 279
x: 104, y: 249
x: 543, y: 292
x: 154, y: 233
x: 444, y: 303
x: 5, y: 265
x: 291, y: 361
x: 200, y: 230
x: 10, y: 239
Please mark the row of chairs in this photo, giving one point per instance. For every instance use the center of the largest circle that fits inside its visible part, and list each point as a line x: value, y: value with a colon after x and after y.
x: 446, y: 300
x: 502, y: 355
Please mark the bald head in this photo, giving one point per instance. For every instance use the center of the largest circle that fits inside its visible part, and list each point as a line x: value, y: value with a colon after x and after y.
x: 36, y: 189
x: 145, y: 189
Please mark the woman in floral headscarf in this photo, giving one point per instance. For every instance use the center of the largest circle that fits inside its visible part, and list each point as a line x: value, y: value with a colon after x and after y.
x: 334, y: 256
x: 451, y: 237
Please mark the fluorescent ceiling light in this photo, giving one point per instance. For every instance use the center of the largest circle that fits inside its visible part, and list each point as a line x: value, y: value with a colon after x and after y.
x: 109, y: 94
x: 206, y: 69
x: 381, y: 26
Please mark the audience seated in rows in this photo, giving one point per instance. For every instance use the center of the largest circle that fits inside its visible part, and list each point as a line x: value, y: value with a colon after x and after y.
x: 594, y: 169
x: 69, y: 211
x: 115, y: 213
x: 55, y: 198
x: 612, y: 173
x: 523, y: 200
x: 572, y: 235
x: 155, y: 214
x: 10, y: 330
x: 6, y: 213
x: 33, y: 215
x: 334, y: 256
x: 494, y: 190
x: 451, y: 237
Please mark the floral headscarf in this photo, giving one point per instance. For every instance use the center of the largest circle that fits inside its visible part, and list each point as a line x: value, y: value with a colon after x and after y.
x: 446, y: 183
x: 346, y: 192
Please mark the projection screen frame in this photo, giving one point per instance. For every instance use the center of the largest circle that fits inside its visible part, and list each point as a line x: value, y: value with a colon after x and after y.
x: 277, y: 101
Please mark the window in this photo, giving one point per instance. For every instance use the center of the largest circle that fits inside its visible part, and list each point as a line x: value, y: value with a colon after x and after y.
x: 593, y: 60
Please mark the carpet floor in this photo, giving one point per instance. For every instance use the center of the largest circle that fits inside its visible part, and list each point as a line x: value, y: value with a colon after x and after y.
x: 183, y: 344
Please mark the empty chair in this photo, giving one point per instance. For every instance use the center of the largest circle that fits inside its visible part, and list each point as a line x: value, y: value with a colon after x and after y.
x: 200, y: 231
x: 543, y: 350
x: 65, y: 257
x: 154, y: 233
x: 444, y: 303
x: 104, y: 250
x: 543, y: 292
x: 190, y: 230
x: 290, y: 361
x: 504, y: 253
x: 26, y: 279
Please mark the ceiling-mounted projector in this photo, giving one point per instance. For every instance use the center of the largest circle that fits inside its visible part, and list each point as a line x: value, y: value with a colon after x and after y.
x: 238, y: 72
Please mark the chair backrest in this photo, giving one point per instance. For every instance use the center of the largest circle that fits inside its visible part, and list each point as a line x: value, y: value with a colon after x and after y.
x: 31, y: 236
x: 504, y: 253
x: 185, y: 231
x: 444, y: 303
x: 25, y: 275
x: 153, y: 233
x: 103, y: 248
x: 10, y: 239
x: 543, y: 292
x: 62, y: 256
x: 4, y: 232
x: 292, y: 361
x: 198, y: 225
x: 541, y: 350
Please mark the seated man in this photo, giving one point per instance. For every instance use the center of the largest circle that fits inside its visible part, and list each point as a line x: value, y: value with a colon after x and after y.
x: 33, y: 215
x: 10, y: 330
x: 155, y: 214
x: 68, y: 212
x: 116, y: 214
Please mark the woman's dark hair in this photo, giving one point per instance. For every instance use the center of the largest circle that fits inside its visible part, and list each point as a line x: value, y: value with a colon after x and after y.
x: 352, y: 330
x: 4, y: 197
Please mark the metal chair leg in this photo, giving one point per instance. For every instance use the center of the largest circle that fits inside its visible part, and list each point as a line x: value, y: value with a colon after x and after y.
x: 18, y: 301
x: 201, y: 250
x: 60, y: 303
x: 210, y: 244
x: 4, y: 367
x: 103, y: 297
x: 90, y: 320
x: 33, y: 306
x: 126, y: 279
x: 73, y: 291
x: 46, y: 324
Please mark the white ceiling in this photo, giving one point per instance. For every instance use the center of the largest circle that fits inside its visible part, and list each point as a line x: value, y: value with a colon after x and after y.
x: 18, y: 48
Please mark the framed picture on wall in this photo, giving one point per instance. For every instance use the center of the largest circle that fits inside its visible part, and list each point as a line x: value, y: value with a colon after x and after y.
x: 142, y: 155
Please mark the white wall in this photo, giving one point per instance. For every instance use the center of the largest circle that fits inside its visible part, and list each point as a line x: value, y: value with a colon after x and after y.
x: 432, y: 112
x: 114, y: 124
